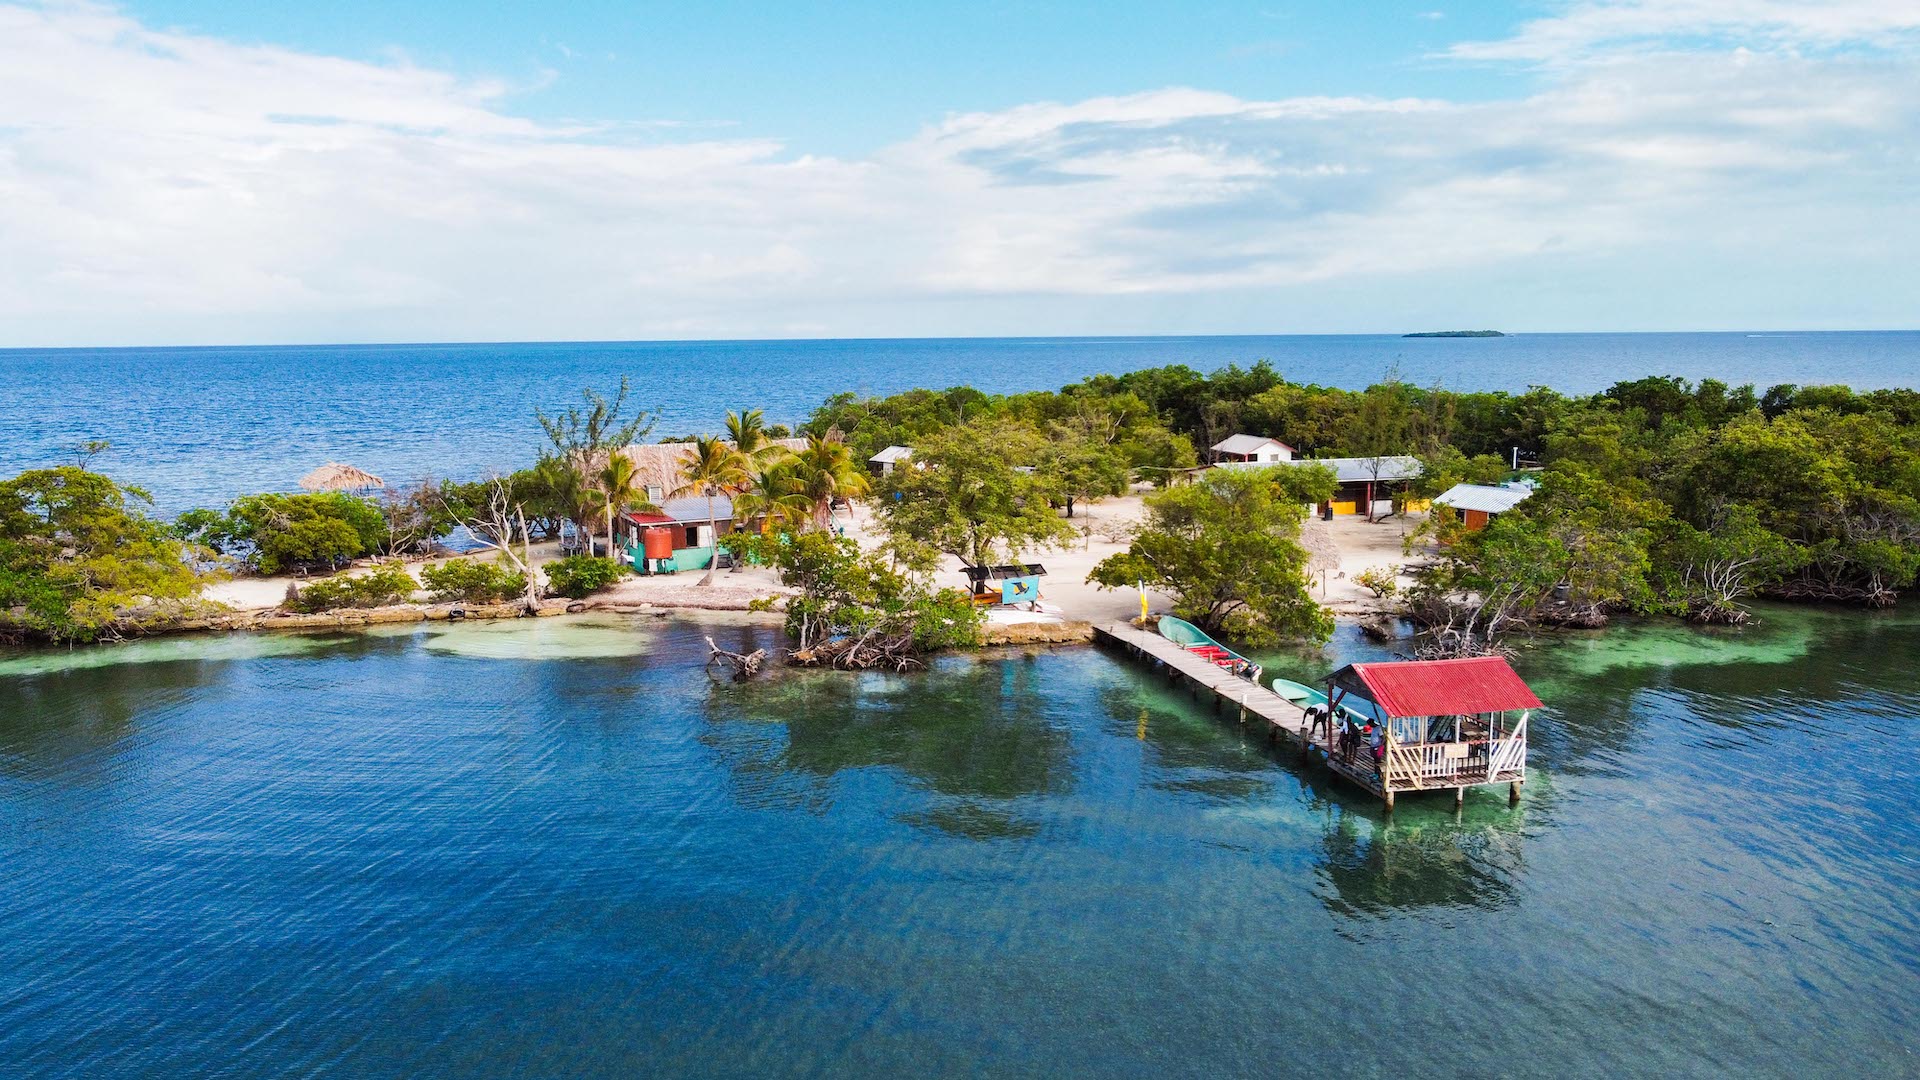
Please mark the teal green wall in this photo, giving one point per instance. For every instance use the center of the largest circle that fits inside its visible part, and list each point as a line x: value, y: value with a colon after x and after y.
x: 683, y: 558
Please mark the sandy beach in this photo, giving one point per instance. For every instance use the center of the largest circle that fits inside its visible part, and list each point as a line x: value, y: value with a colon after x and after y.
x: 1351, y: 545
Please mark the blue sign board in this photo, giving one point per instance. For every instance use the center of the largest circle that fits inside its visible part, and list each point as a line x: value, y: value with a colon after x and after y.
x: 1020, y: 590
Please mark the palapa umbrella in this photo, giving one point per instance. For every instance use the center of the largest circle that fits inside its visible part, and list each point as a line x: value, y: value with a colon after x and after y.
x: 334, y: 476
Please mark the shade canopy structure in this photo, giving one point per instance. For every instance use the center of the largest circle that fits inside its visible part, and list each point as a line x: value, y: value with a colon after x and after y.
x: 1464, y: 687
x: 978, y: 574
x: 334, y: 476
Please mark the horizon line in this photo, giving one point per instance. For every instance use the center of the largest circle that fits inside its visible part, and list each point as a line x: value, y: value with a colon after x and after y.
x: 1393, y: 335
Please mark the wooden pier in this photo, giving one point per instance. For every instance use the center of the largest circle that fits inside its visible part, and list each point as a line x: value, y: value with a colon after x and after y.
x: 1497, y: 757
x: 1250, y: 703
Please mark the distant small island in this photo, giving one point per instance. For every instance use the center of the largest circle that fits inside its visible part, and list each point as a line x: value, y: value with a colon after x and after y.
x: 1458, y: 333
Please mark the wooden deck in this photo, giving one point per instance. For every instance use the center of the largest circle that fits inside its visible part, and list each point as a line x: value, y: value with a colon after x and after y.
x: 1231, y: 694
x: 1282, y: 719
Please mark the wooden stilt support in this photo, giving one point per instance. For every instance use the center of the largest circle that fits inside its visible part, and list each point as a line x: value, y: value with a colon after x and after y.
x: 1459, y: 797
x: 1388, y: 794
x: 1513, y: 792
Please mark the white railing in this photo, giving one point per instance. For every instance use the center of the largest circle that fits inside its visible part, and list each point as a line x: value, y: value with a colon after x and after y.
x: 1450, y: 764
x: 1510, y: 754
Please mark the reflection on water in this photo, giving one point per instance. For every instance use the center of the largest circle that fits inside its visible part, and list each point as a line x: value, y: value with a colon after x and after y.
x: 979, y: 735
x: 561, y: 848
x: 1420, y: 858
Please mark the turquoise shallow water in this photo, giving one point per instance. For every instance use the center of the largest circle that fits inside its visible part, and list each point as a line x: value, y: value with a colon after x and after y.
x: 557, y: 848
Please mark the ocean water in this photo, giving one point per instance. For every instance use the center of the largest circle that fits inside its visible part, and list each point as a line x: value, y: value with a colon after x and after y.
x: 197, y: 426
x: 557, y: 848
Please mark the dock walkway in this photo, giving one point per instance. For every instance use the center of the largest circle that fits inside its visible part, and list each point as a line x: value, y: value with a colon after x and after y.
x: 1255, y: 704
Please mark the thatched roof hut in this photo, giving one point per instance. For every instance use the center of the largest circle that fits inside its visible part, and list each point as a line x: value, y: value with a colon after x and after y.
x: 334, y: 476
x: 658, y: 465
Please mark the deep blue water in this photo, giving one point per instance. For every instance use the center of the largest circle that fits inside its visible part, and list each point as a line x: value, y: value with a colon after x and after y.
x: 556, y: 848
x: 197, y: 426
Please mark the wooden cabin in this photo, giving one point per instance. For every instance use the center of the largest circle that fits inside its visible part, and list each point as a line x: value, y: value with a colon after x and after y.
x: 1444, y: 725
x: 682, y: 537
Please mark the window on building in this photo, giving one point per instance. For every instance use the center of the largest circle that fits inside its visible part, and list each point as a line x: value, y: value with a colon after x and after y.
x: 693, y: 536
x: 654, y: 493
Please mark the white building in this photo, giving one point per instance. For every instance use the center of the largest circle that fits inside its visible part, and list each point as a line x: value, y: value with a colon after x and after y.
x: 884, y: 461
x: 1252, y: 449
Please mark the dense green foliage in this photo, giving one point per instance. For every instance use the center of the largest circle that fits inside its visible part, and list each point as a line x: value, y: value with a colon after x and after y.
x: 548, y: 494
x: 965, y: 494
x: 1656, y: 495
x: 388, y: 583
x: 273, y: 532
x: 472, y: 581
x: 853, y: 596
x: 1092, y: 420
x: 1227, y: 546
x: 577, y: 576
x: 78, y: 553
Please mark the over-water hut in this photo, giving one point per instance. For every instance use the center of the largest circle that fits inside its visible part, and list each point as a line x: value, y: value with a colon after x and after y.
x: 1443, y: 724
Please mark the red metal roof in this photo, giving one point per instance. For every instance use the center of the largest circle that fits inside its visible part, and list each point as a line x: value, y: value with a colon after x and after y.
x: 645, y: 519
x: 1477, y: 684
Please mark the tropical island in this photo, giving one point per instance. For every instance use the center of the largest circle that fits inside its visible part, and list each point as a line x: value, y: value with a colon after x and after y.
x: 1256, y: 508
x: 1456, y: 333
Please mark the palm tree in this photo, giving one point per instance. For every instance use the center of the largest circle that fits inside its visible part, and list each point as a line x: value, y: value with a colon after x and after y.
x: 715, y: 468
x: 826, y: 471
x: 773, y: 495
x: 617, y: 489
x: 748, y: 430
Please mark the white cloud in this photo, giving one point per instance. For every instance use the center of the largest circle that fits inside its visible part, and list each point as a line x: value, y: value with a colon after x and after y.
x: 1584, y: 27
x: 159, y: 186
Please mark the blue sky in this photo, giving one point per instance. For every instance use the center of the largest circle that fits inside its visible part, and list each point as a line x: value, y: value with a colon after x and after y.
x: 847, y: 78
x: 176, y: 172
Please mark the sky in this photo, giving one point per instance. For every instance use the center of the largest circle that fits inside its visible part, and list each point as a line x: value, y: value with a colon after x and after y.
x: 177, y: 172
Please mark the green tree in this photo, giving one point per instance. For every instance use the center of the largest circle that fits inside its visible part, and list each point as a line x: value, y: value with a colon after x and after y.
x: 619, y: 488
x: 775, y: 496
x: 973, y: 492
x: 1718, y: 567
x: 714, y: 469
x: 826, y: 471
x: 854, y: 610
x: 748, y: 431
x: 79, y: 552
x: 1227, y: 546
x: 276, y: 531
x: 584, y: 439
x: 1083, y: 463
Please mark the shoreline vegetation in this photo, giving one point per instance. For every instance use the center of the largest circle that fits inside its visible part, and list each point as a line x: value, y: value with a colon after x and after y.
x: 1656, y: 497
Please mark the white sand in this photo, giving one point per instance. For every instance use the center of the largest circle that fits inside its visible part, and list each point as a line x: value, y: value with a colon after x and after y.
x: 1103, y: 527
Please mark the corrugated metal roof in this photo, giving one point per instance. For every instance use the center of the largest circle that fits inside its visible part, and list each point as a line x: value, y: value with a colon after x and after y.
x: 892, y: 454
x: 1485, y: 498
x: 1353, y: 470
x: 1478, y: 684
x: 693, y: 509
x: 1247, y: 444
